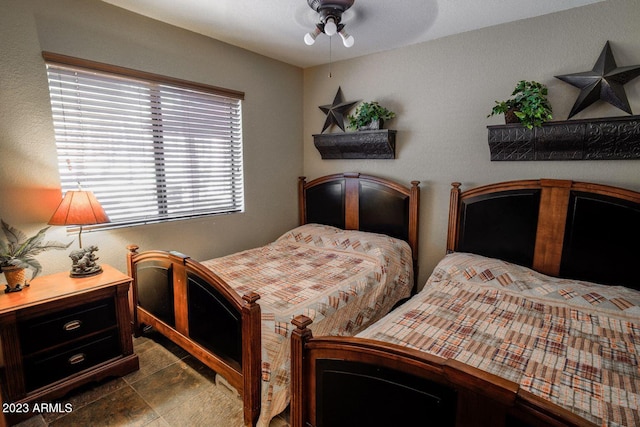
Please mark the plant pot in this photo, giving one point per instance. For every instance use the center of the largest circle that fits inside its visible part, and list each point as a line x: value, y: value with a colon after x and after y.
x: 510, y: 116
x: 373, y: 125
x: 16, y: 278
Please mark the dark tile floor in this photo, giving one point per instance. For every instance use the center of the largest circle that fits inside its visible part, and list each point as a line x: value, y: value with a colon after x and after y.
x: 171, y: 389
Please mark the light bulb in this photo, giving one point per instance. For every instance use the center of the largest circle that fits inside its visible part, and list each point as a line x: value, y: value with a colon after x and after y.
x: 330, y: 27
x: 347, y: 39
x: 310, y: 37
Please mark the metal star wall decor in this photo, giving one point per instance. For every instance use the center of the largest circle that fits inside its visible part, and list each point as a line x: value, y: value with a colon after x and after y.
x: 336, y: 111
x: 605, y: 81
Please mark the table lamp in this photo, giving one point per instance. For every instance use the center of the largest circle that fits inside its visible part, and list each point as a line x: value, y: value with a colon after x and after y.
x: 80, y: 207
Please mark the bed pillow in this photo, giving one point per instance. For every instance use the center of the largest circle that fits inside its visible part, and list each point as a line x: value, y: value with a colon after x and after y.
x: 309, y: 233
x: 385, y: 248
x: 506, y: 276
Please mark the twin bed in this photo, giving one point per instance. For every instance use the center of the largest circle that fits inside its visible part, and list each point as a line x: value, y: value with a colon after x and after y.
x: 509, y: 330
x: 353, y: 258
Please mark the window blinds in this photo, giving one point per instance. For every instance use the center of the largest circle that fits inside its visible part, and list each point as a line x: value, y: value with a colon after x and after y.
x: 150, y: 151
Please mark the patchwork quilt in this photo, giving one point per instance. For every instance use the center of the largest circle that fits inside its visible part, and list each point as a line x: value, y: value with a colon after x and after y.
x: 343, y: 280
x: 574, y: 343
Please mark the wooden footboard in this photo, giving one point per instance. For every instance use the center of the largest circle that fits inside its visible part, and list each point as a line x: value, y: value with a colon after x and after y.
x: 341, y: 381
x: 197, y: 310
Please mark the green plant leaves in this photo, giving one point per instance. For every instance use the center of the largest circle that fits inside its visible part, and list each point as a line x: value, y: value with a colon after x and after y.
x: 19, y: 251
x: 368, y: 112
x: 529, y: 102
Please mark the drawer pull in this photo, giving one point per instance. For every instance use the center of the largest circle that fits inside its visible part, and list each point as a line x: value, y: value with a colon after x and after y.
x: 72, y: 325
x: 76, y: 358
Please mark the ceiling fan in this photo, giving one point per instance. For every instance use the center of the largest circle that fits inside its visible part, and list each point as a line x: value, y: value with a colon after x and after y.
x: 330, y: 12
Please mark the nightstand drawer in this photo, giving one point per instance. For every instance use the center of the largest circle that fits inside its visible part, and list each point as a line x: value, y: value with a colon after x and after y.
x: 51, y: 366
x: 59, y: 327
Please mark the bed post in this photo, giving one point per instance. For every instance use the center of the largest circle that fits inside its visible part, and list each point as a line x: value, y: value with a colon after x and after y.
x: 454, y: 205
x: 299, y: 337
x: 133, y: 291
x: 302, y: 200
x: 251, y: 358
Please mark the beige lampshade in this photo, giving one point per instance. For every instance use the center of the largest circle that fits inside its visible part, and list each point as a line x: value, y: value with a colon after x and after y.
x: 79, y: 207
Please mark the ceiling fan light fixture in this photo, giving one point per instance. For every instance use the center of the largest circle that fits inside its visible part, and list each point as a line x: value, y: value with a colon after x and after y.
x: 330, y: 14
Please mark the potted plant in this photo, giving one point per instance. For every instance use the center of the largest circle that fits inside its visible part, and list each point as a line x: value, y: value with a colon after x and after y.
x: 17, y: 254
x: 370, y: 116
x: 529, y: 105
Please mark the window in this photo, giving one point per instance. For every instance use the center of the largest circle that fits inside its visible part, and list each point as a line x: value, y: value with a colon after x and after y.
x: 151, y: 148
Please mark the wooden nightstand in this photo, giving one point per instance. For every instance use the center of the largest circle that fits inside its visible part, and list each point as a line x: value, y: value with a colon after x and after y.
x: 60, y: 333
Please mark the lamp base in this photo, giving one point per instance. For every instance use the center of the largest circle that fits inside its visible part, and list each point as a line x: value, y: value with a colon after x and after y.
x: 84, y: 262
x: 95, y: 271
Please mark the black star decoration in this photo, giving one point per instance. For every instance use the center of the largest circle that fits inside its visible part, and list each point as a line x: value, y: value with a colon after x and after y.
x: 606, y: 82
x: 336, y: 111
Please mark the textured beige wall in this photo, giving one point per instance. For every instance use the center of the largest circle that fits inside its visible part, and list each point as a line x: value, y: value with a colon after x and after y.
x: 29, y: 180
x: 443, y: 90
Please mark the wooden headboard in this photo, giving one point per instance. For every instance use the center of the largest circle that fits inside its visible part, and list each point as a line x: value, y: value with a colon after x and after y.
x: 354, y: 201
x: 560, y: 228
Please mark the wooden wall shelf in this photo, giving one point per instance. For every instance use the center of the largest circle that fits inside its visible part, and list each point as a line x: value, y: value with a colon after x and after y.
x: 611, y: 138
x: 368, y: 144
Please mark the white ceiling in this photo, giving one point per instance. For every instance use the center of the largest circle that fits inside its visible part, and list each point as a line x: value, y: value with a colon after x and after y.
x: 275, y: 28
